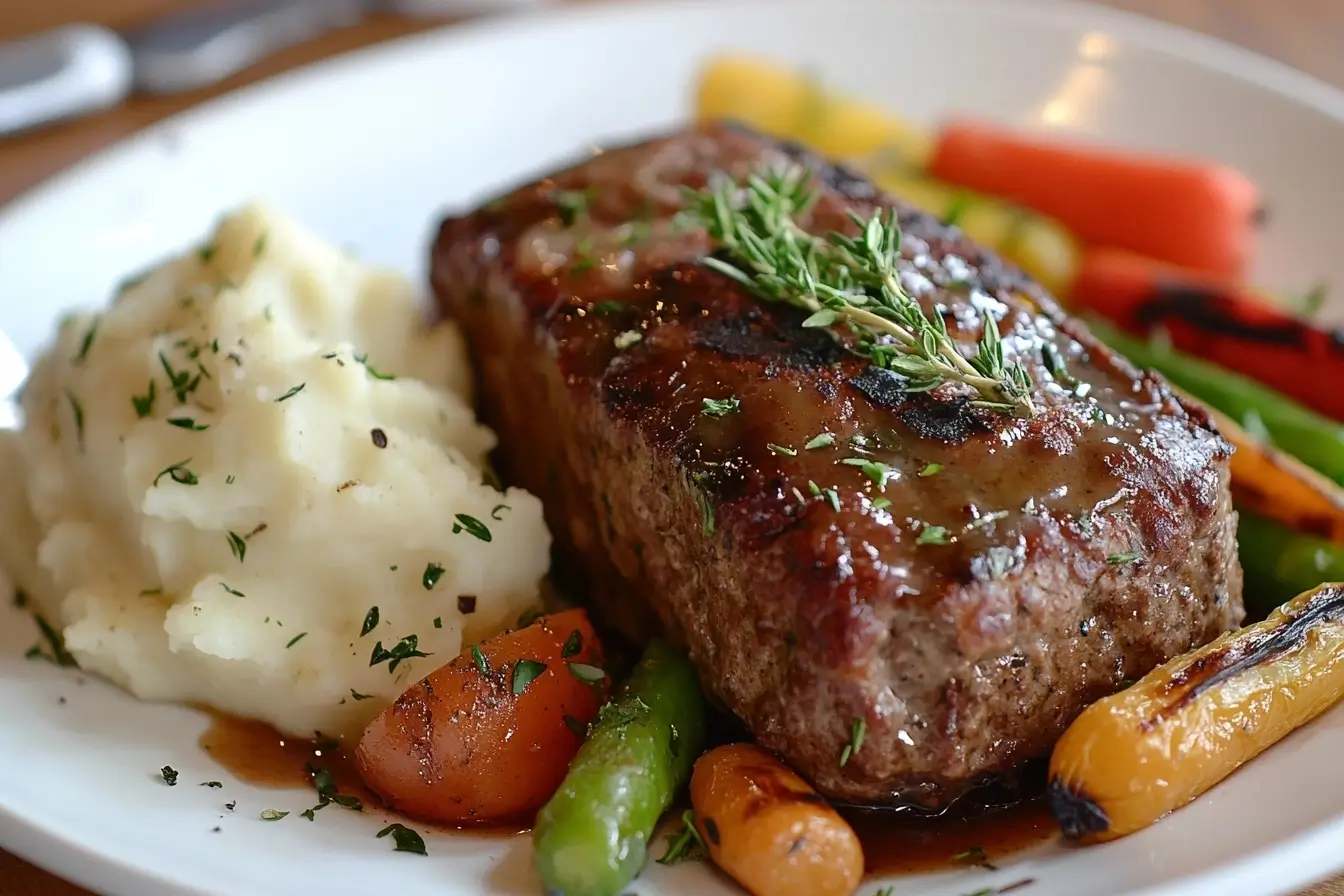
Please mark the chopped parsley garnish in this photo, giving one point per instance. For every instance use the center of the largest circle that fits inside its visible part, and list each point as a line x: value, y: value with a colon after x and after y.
x: 930, y: 470
x: 405, y: 649
x: 433, y: 572
x: 609, y: 307
x: 985, y: 520
x: 586, y: 673
x: 570, y: 204
x: 998, y: 560
x: 471, y: 525
x: 877, y: 471
x: 187, y: 423
x: 1124, y: 558
x: 363, y: 360
x: 356, y: 695
x: 179, y: 380
x: 230, y: 479
x: 56, y: 651
x: 813, y: 488
x: 976, y: 856
x: 144, y: 404
x: 77, y: 410
x: 272, y: 814
x: 466, y: 604
x: 215, y: 784
x: 370, y: 621
x: 684, y: 844
x: 379, y: 438
x: 405, y: 839
x: 781, y: 450
x: 478, y: 659
x: 833, y: 498
x: 325, y: 785
x: 494, y: 511
x: 524, y: 673
x: 856, y: 732
x: 585, y: 263
x: 179, y: 473
x: 706, y: 511
x: 294, y: 390
x: 169, y: 775
x: 719, y: 407
x: 87, y: 342
x: 881, y: 503
x: 237, y: 545
x: 296, y: 639
x: 819, y: 441
x: 438, y: 622
x: 573, y: 644
x: 627, y: 339
x: 932, y: 535
x: 232, y: 591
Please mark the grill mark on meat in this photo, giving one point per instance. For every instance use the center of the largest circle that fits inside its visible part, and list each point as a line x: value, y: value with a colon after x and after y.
x: 802, y: 604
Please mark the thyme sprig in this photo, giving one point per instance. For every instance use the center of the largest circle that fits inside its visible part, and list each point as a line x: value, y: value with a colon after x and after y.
x: 854, y: 280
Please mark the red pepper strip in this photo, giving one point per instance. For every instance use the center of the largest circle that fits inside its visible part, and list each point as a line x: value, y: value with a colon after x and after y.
x: 1217, y: 320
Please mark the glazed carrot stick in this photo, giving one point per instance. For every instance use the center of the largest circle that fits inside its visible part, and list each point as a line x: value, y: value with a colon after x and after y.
x: 1218, y: 320
x: 1198, y: 214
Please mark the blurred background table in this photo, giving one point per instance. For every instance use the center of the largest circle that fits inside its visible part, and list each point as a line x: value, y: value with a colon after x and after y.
x: 1307, y: 34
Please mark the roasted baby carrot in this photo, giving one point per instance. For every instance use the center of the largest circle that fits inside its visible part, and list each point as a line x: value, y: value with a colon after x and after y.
x: 1131, y: 758
x: 1198, y: 214
x: 488, y: 737
x: 1218, y: 320
x: 767, y: 828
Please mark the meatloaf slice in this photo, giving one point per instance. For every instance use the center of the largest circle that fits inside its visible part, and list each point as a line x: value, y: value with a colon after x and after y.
x: 689, y: 442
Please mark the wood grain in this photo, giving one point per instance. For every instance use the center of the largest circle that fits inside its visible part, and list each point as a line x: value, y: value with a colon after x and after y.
x: 1307, y: 34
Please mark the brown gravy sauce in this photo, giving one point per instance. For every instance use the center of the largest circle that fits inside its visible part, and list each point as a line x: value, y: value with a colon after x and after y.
x: 894, y: 846
x: 256, y: 753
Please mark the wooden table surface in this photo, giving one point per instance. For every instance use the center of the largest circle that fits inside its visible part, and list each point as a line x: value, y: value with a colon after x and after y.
x: 1308, y: 34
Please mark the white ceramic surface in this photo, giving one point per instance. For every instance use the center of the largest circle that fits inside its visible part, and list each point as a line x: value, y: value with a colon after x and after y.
x: 371, y: 147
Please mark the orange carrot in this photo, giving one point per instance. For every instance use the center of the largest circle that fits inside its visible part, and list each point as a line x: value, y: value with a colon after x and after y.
x: 1197, y: 214
x: 1218, y: 320
x: 488, y: 737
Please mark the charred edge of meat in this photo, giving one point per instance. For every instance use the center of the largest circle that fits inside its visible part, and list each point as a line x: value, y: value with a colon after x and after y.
x: 754, y: 335
x: 1077, y: 814
x: 949, y: 420
x: 1214, y: 667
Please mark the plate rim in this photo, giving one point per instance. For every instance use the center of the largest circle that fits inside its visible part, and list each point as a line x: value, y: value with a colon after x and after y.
x: 1282, y: 869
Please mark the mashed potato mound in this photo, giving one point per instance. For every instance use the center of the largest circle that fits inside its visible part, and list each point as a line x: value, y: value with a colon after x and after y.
x: 256, y: 454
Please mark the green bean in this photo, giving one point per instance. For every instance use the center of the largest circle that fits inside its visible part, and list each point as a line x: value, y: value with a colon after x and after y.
x: 1315, y: 440
x: 1278, y: 563
x: 592, y: 838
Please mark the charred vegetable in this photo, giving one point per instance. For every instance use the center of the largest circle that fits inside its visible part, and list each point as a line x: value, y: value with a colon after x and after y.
x: 487, y: 738
x: 1130, y: 759
x: 1218, y: 320
x: 1288, y: 426
x: 591, y: 839
x: 769, y: 829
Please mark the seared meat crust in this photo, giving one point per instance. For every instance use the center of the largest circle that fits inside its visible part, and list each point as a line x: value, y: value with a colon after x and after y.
x: 1023, y: 568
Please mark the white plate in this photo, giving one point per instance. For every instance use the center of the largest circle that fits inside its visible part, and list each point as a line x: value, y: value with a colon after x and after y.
x: 369, y: 148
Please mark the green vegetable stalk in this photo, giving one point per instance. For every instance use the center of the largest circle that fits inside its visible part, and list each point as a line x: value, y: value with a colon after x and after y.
x: 592, y: 838
x: 1315, y: 440
x: 1279, y: 563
